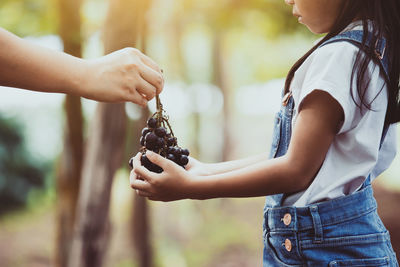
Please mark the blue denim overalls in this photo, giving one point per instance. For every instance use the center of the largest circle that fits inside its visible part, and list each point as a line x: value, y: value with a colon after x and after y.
x: 346, y: 231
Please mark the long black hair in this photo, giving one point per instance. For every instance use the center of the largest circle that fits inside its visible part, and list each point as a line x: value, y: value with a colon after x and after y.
x: 379, y: 19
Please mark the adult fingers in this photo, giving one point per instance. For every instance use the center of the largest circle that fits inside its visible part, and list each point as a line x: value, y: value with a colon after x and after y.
x: 146, y: 89
x: 137, y: 98
x: 152, y: 77
x: 149, y: 62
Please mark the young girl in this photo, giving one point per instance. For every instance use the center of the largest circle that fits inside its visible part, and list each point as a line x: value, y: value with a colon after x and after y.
x: 333, y: 135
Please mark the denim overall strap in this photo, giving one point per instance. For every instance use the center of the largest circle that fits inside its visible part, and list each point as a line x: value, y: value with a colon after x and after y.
x: 280, y: 142
x: 356, y: 37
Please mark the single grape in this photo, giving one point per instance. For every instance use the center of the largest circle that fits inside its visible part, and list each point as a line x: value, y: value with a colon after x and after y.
x: 171, y: 150
x: 145, y: 131
x: 151, y: 146
x: 145, y: 160
x: 171, y: 157
x: 160, y: 142
x: 142, y: 141
x: 152, y: 123
x: 178, y: 151
x: 160, y: 131
x: 183, y: 160
x: 185, y: 152
x: 151, y: 138
x: 170, y: 141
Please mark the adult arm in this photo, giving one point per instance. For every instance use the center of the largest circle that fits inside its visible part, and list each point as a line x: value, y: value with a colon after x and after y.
x: 125, y: 75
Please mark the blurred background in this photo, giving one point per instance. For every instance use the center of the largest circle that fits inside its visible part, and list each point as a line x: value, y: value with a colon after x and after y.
x: 224, y: 63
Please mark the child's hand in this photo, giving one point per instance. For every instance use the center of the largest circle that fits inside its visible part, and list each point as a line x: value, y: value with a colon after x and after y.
x: 197, y: 167
x: 172, y: 184
x: 124, y: 75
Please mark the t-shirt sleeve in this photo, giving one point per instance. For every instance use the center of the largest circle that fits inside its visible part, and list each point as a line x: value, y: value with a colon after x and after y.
x: 330, y: 70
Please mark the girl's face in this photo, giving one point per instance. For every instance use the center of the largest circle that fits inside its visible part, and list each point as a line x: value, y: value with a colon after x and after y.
x: 318, y: 15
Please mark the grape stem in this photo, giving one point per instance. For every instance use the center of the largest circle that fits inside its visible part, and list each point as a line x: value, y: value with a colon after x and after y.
x: 159, y: 111
x: 159, y: 115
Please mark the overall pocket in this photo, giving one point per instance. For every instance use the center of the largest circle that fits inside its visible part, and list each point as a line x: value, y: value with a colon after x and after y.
x: 385, y: 261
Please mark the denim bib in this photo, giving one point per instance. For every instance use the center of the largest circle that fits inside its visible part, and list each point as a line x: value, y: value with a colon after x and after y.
x: 346, y: 231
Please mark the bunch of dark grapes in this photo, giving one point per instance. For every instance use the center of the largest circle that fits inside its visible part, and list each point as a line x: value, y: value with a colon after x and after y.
x: 159, y: 138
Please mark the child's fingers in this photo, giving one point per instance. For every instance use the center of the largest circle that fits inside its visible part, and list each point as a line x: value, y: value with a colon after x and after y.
x: 143, y: 193
x: 154, y: 198
x: 132, y: 177
x: 136, y: 161
x: 141, y: 185
x: 141, y: 171
x: 158, y: 160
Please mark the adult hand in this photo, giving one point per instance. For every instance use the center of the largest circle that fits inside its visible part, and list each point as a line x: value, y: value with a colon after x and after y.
x: 124, y: 75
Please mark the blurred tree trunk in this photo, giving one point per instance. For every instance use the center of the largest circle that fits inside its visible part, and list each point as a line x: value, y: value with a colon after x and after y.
x: 69, y: 168
x: 140, y: 222
x: 104, y: 149
x: 102, y: 158
x: 220, y: 78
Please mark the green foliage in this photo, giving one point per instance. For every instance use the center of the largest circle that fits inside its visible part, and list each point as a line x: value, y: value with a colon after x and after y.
x: 28, y: 17
x: 273, y: 16
x: 126, y: 263
x: 18, y: 174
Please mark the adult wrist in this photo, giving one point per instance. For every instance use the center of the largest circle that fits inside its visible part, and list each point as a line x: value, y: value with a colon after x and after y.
x: 81, y: 79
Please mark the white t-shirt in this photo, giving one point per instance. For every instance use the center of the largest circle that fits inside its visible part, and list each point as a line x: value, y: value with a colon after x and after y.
x: 354, y: 152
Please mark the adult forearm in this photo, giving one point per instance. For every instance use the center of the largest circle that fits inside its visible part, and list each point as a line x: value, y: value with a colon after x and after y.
x: 28, y: 66
x: 264, y: 178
